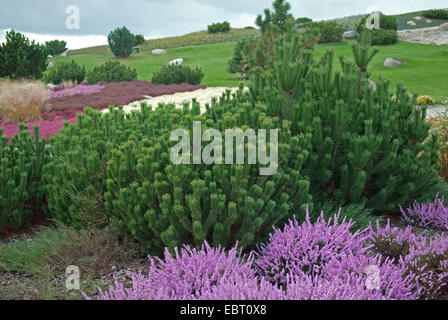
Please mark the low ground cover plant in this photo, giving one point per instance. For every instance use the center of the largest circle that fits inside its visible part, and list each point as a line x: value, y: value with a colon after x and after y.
x: 23, y: 100
x: 178, y: 74
x: 111, y: 71
x: 428, y: 215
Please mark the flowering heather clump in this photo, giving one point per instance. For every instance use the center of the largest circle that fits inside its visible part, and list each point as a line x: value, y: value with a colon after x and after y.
x: 305, y: 249
x: 82, y: 89
x: 354, y: 278
x: 392, y: 243
x: 428, y: 215
x: 427, y: 264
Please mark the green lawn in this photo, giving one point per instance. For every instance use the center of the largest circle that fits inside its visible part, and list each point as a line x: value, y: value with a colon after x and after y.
x: 425, y: 69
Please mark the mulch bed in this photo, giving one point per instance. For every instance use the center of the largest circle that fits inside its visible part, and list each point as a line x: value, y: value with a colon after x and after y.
x: 113, y: 94
x: 118, y: 94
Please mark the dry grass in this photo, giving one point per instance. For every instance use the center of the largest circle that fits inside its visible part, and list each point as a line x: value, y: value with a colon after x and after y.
x: 68, y: 84
x: 23, y: 100
x: 440, y: 126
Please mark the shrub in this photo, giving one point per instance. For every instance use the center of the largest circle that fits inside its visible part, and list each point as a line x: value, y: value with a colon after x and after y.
x: 349, y: 159
x: 384, y: 37
x: 330, y: 32
x: 20, y: 58
x: 112, y: 71
x: 386, y: 23
x: 178, y: 74
x: 441, y: 14
x: 139, y: 39
x: 219, y: 27
x: 66, y: 72
x: 425, y: 100
x: 303, y: 20
x: 280, y: 20
x: 305, y: 249
x: 21, y: 194
x: 56, y: 47
x: 431, y: 215
x: 24, y: 100
x: 121, y: 41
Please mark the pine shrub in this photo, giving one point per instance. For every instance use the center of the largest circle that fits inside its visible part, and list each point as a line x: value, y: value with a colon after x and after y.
x: 178, y: 74
x: 21, y: 192
x: 56, y: 47
x: 121, y: 41
x: 330, y: 32
x: 219, y: 27
x: 111, y: 71
x: 66, y: 72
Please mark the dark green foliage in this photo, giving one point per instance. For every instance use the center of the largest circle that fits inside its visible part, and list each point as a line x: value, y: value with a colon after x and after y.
x: 178, y: 74
x: 112, y: 71
x: 20, y: 58
x: 330, y: 32
x: 65, y: 72
x: 367, y: 146
x: 139, y: 39
x: 21, y: 192
x: 56, y: 47
x: 384, y: 37
x: 167, y: 205
x: 303, y: 20
x: 436, y: 14
x: 219, y: 27
x: 280, y: 20
x: 236, y: 64
x: 121, y: 41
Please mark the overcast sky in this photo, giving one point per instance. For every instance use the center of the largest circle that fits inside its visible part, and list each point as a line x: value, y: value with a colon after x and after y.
x: 44, y: 20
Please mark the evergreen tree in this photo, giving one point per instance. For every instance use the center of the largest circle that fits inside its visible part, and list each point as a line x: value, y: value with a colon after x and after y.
x: 280, y: 19
x: 20, y: 58
x: 121, y: 41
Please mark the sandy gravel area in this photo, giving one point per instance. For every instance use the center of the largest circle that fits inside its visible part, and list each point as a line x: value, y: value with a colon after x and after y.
x: 203, y: 96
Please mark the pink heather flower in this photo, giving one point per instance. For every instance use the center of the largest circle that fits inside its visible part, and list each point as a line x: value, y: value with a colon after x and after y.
x: 81, y: 89
x: 428, y: 215
x: 305, y: 249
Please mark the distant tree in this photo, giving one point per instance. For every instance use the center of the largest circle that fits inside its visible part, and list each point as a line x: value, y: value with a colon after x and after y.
x: 56, y: 47
x: 139, y: 39
x: 280, y: 19
x: 219, y: 27
x: 303, y: 20
x: 121, y: 41
x: 20, y: 58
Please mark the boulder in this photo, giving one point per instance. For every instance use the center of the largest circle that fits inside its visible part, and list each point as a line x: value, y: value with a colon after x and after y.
x: 51, y: 86
x: 392, y: 63
x: 417, y: 18
x: 64, y: 54
x: 158, y: 52
x: 51, y: 64
x: 372, y: 85
x: 350, y: 34
x: 428, y: 21
x: 443, y: 27
x: 176, y: 62
x: 411, y: 23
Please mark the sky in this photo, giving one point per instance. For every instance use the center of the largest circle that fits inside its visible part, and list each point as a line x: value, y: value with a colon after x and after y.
x: 85, y: 23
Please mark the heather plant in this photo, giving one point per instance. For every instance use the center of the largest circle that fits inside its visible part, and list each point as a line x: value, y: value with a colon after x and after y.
x: 427, y: 215
x: 305, y: 249
x: 81, y: 89
x: 21, y: 192
x: 22, y: 58
x: 23, y: 100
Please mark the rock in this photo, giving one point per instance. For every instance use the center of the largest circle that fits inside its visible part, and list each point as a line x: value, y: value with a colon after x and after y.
x: 64, y: 54
x: 176, y: 62
x: 417, y: 18
x: 350, y: 34
x: 428, y: 21
x: 51, y: 64
x: 443, y: 27
x: 411, y: 23
x: 51, y: 86
x: 158, y: 52
x: 372, y: 85
x: 392, y: 63
x: 147, y: 97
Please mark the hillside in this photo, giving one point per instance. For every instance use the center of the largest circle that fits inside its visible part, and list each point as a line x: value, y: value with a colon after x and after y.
x: 191, y: 39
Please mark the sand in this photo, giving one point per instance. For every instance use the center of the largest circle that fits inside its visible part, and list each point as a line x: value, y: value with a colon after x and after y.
x: 203, y: 96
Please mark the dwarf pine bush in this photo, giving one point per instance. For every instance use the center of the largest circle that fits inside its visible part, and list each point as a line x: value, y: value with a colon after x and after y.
x: 21, y: 192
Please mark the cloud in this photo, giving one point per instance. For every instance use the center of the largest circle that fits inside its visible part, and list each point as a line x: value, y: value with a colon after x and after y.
x: 160, y: 18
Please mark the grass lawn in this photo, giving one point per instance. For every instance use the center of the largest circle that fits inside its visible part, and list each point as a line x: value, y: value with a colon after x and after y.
x: 425, y: 69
